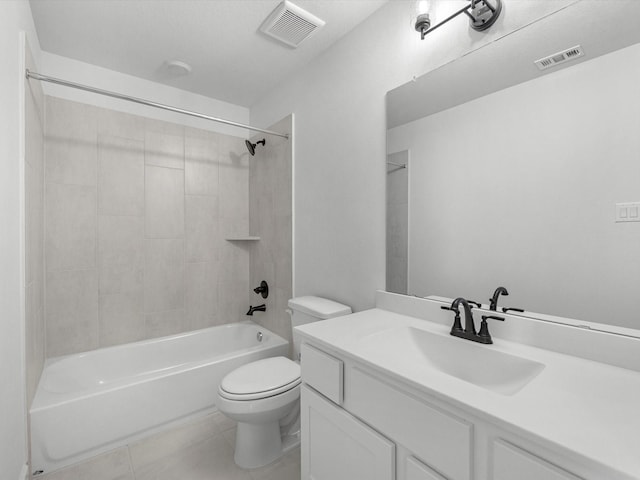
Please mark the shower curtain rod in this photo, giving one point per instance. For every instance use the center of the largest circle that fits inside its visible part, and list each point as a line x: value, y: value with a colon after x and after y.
x: 58, y: 81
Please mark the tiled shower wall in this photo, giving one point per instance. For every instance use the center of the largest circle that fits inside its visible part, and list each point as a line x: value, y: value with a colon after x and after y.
x: 136, y: 216
x: 270, y: 212
x: 34, y: 231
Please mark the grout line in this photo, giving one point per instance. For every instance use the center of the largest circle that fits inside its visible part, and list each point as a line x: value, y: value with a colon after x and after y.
x: 133, y: 471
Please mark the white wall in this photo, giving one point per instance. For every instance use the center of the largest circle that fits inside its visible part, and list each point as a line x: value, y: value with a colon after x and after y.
x: 339, y: 104
x: 14, y: 17
x: 528, y: 199
x: 102, y: 78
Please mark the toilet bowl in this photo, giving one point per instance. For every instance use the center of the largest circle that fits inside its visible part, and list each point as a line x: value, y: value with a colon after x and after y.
x: 264, y: 396
x: 258, y: 396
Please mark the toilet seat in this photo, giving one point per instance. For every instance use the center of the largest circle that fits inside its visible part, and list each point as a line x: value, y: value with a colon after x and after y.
x: 261, y: 379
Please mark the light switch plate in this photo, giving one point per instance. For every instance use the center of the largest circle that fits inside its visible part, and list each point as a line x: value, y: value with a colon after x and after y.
x: 628, y: 212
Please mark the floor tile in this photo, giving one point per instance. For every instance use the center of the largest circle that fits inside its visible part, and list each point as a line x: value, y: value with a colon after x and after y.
x: 149, y: 450
x: 113, y: 465
x: 224, y: 422
x: 279, y: 471
x: 206, y: 460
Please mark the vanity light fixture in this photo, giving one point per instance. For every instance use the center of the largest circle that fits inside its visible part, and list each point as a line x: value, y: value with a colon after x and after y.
x: 482, y: 14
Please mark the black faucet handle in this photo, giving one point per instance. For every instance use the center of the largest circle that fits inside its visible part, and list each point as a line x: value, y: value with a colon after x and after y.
x: 476, y: 304
x: 457, y: 324
x: 512, y: 309
x: 484, y: 334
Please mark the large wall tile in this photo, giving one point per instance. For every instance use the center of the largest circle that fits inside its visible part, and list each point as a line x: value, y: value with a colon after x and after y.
x: 201, y: 165
x: 201, y: 299
x: 66, y: 119
x: 164, y: 202
x: 71, y: 219
x: 121, y: 319
x: 34, y: 221
x: 169, y: 322
x: 234, y: 300
x: 201, y: 228
x: 121, y: 241
x: 121, y: 279
x: 71, y: 134
x: 72, y: 161
x: 234, y: 178
x: 120, y: 176
x: 118, y: 124
x: 164, y: 149
x: 72, y: 311
x: 164, y: 275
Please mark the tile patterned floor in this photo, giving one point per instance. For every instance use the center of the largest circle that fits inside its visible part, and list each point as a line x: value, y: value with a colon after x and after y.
x: 200, y: 450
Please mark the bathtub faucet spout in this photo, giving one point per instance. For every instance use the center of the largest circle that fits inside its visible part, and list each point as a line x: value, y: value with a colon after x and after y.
x: 259, y: 308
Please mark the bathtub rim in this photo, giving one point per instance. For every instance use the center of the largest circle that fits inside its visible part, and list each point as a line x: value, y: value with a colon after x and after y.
x: 47, y: 399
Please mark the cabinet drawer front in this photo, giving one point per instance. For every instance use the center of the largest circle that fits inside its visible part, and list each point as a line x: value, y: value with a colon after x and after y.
x: 511, y: 462
x: 416, y: 470
x: 336, y: 446
x: 323, y: 372
x: 441, y: 440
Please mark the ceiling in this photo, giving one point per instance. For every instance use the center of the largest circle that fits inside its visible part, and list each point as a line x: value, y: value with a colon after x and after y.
x: 231, y: 59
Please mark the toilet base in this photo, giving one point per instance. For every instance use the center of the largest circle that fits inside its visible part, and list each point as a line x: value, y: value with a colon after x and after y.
x: 257, y: 444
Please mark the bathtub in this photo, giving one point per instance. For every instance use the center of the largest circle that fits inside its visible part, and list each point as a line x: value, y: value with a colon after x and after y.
x: 92, y: 402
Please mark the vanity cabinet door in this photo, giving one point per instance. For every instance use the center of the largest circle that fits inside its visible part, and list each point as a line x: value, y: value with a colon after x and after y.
x: 337, y: 446
x: 416, y: 470
x: 511, y: 462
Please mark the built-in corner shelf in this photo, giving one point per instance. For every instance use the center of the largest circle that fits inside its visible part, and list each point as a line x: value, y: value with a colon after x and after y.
x: 247, y: 238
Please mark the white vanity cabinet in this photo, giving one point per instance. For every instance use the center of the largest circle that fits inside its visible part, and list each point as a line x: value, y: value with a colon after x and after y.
x: 361, y: 424
x: 508, y: 459
x: 336, y: 445
x: 340, y: 447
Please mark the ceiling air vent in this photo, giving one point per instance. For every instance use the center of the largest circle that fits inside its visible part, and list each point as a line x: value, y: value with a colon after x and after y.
x: 560, y: 57
x: 291, y: 24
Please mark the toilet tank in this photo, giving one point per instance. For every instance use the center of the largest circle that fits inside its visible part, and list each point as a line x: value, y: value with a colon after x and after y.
x: 309, y: 309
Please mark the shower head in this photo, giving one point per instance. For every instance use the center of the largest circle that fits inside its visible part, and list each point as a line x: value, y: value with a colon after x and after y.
x: 252, y: 146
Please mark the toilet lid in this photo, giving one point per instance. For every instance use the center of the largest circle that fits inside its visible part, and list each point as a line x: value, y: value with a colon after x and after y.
x: 260, y: 379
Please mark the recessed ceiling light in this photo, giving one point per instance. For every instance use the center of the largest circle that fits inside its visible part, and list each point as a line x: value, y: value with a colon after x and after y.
x: 176, y: 68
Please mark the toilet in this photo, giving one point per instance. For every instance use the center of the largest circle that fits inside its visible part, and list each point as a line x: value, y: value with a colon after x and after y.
x: 264, y: 396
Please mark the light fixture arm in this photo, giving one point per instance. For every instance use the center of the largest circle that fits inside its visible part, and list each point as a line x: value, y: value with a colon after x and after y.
x: 487, y: 15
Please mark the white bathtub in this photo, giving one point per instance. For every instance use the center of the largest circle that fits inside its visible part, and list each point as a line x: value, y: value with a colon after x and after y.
x: 96, y: 401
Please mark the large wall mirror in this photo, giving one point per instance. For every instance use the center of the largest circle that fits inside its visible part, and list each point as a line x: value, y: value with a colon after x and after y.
x: 513, y: 175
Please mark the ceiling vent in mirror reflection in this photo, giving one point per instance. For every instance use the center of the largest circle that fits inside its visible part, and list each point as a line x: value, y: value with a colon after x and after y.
x: 560, y: 57
x: 291, y: 24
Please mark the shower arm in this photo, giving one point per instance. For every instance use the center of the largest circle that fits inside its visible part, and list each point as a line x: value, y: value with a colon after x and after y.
x: 66, y: 83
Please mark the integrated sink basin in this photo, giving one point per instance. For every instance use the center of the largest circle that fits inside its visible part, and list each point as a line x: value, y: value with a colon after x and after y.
x: 480, y: 365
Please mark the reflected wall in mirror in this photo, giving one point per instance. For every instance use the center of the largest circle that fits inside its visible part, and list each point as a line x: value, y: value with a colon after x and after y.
x: 515, y: 173
x: 397, y: 221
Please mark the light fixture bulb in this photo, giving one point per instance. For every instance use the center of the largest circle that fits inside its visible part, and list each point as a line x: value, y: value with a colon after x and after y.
x: 422, y: 6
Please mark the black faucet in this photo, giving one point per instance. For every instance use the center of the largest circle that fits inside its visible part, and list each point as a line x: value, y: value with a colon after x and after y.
x: 259, y: 308
x: 493, y: 305
x: 469, y: 331
x: 263, y: 289
x: 494, y: 301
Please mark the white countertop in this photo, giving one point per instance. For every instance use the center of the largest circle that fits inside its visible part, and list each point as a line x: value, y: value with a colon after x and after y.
x: 588, y: 408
